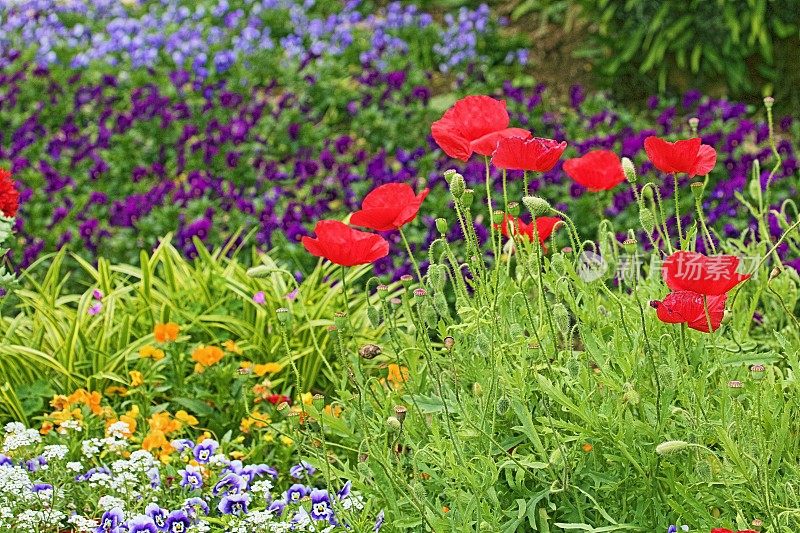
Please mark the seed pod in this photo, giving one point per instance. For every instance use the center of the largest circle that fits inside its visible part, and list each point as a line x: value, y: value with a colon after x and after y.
x: 374, y: 316
x: 400, y: 412
x: 698, y: 189
x: 369, y: 351
x: 393, y: 423
x: 502, y: 405
x: 441, y: 226
x: 340, y: 320
x: 457, y: 185
x: 513, y: 209
x: 449, y: 342
x: 671, y: 446
x: 561, y: 318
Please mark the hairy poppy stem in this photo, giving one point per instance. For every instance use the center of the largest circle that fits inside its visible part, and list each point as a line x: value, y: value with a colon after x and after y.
x: 411, y: 256
x: 491, y: 208
x: 676, y: 198
x: 505, y: 190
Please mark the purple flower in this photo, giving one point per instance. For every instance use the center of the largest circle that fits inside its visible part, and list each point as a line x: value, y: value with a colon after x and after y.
x: 321, y: 505
x: 110, y: 521
x: 260, y: 298
x: 277, y: 507
x: 252, y: 471
x: 344, y: 492
x: 97, y: 294
x: 378, y: 522
x: 191, y: 478
x: 39, y: 487
x: 297, y: 492
x: 181, y: 445
x: 204, y: 450
x: 234, y: 504
x: 95, y: 309
x: 159, y: 515
x: 193, y: 504
x: 230, y: 484
x: 302, y: 469
x: 141, y: 524
x: 5, y: 460
x: 177, y: 522
x: 154, y: 477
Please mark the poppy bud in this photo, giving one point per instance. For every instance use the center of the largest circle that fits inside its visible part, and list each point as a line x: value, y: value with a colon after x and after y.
x: 647, y: 219
x: 768, y: 102
x: 477, y: 390
x: 671, y: 446
x: 754, y: 187
x: 698, y: 189
x: 420, y: 292
x: 537, y: 206
x: 400, y: 412
x: 441, y: 226
x: 629, y: 170
x: 374, y: 316
x: 396, y: 301
x: 631, y: 397
x: 369, y: 351
x: 318, y: 401
x: 502, y: 405
x: 561, y: 318
x: 630, y: 245
x: 457, y: 186
x: 406, y: 279
x: 693, y: 123
x: 466, y: 198
x: 440, y: 304
x: 393, y: 423
x: 775, y: 273
x: 513, y: 208
x: 382, y: 288
x: 667, y: 376
x: 260, y: 271
x: 448, y: 174
x: 498, y: 217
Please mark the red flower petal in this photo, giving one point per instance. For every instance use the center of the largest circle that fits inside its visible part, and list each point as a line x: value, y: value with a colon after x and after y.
x: 536, y: 154
x: 468, y: 120
x: 688, y: 156
x: 706, y: 159
x: 487, y: 144
x: 687, y: 307
x: 692, y: 271
x: 343, y: 245
x: 389, y: 207
x: 9, y: 196
x: 544, y: 227
x: 598, y: 170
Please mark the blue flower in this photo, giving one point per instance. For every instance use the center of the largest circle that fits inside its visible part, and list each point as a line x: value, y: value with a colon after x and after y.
x: 182, y: 444
x: 234, y: 504
x: 230, y: 484
x: 277, y: 507
x: 296, y: 492
x: 193, y: 504
x: 39, y: 487
x: 5, y: 460
x: 158, y: 515
x: 378, y: 522
x: 191, y: 478
x: 110, y: 521
x: 344, y: 492
x: 253, y: 471
x: 672, y: 529
x: 204, y: 450
x: 177, y: 522
x: 155, y: 477
x: 141, y: 524
x: 321, y: 505
x: 302, y: 469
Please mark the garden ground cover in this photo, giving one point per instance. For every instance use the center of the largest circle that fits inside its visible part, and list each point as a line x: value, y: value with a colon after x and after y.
x: 191, y: 345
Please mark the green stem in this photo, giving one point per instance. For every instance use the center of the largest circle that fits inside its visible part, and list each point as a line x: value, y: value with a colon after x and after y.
x: 410, y: 256
x: 676, y: 198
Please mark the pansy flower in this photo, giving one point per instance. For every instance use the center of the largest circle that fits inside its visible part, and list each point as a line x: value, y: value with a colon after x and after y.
x: 297, y: 492
x: 141, y: 524
x: 159, y: 515
x: 178, y: 522
x: 192, y: 505
x: 321, y: 505
x: 234, y: 504
x: 230, y: 484
x: 302, y: 469
x: 191, y: 477
x: 204, y: 450
x: 110, y: 521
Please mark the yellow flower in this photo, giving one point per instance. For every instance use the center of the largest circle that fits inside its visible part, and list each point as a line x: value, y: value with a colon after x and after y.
x: 307, y: 398
x: 397, y: 375
x: 151, y: 352
x: 236, y: 455
x: 269, y: 437
x: 256, y: 419
x: 266, y: 368
x: 137, y: 378
x: 232, y: 347
x: 163, y: 423
x: 186, y: 418
x: 166, y: 332
x: 333, y: 410
x: 286, y: 440
x: 206, y: 356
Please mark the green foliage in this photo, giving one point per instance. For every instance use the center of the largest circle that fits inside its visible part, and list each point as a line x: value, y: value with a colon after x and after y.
x: 749, y: 45
x: 53, y: 344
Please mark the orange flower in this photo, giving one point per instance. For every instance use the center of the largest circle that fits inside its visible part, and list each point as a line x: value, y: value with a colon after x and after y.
x: 47, y: 427
x: 151, y: 352
x: 59, y: 402
x: 206, y: 356
x: 333, y: 410
x: 137, y: 378
x: 163, y: 423
x: 116, y: 390
x: 166, y: 332
x: 90, y: 399
x: 587, y: 447
x: 232, y: 347
x: 397, y: 375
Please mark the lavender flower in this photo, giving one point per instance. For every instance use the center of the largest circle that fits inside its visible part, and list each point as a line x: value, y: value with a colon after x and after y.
x: 204, y: 450
x: 234, y: 504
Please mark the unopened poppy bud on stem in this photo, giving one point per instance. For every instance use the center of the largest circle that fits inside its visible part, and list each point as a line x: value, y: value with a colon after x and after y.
x: 513, y: 208
x: 466, y: 198
x: 457, y: 186
x: 393, y: 423
x: 629, y: 170
x: 538, y: 207
x: 693, y: 123
x: 448, y: 174
x: 769, y: 101
x: 647, y: 219
x: 441, y: 226
x: 698, y: 188
x: 671, y: 446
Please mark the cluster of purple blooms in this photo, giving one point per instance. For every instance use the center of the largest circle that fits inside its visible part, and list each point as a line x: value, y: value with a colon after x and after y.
x: 212, y: 36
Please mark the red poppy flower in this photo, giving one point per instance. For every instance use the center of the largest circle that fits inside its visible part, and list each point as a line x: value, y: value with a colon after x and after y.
x: 9, y: 197
x: 599, y: 170
x: 474, y: 124
x: 689, y: 156
x: 544, y: 227
x: 723, y: 530
x: 275, y: 399
x: 692, y: 271
x: 343, y: 245
x: 687, y: 307
x: 539, y: 155
x: 388, y: 207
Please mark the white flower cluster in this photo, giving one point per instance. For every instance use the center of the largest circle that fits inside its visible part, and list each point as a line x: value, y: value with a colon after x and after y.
x: 92, y: 447
x: 18, y: 436
x: 55, y: 452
